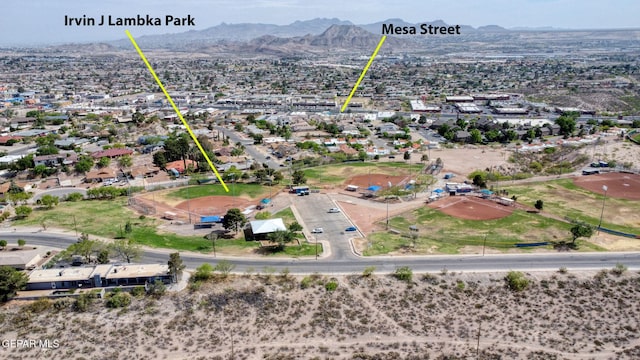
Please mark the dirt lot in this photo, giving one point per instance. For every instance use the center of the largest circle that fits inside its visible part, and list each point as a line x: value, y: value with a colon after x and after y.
x: 574, y: 315
x: 619, y: 185
x: 471, y: 208
x: 214, y: 205
x: 364, y: 181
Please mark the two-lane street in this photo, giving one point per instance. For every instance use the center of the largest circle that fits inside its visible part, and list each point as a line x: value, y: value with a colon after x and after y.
x: 354, y: 265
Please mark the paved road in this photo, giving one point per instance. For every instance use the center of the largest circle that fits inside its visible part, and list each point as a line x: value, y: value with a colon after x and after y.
x: 59, y: 192
x: 314, y: 211
x: 500, y: 262
x: 258, y: 156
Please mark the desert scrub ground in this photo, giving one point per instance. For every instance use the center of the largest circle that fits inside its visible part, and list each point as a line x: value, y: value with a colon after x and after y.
x: 558, y: 315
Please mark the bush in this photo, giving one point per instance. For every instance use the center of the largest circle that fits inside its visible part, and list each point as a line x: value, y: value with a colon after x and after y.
x: 84, y: 301
x: 73, y: 197
x: 203, y: 273
x: 404, y: 273
x: 157, y: 289
x: 138, y: 291
x: 368, y: 271
x: 331, y: 285
x: 306, y: 282
x: 38, y: 306
x: 119, y: 299
x: 619, y: 269
x: 516, y: 281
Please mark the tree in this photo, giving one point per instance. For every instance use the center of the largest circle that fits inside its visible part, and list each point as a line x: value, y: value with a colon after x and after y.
x: 22, y: 242
x: 176, y: 266
x: 406, y: 156
x: 103, y: 256
x: 476, y: 136
x: 125, y: 161
x: 295, y: 226
x: 84, y: 247
x: 137, y: 117
x: 539, y: 204
x: 84, y: 164
x: 159, y: 159
x: 579, y: 230
x: 281, y: 237
x: 567, y: 123
x: 3, y: 244
x: 125, y: 249
x: 479, y: 180
x: 424, y: 158
x: 277, y: 176
x: 11, y: 281
x: 234, y: 219
x: 49, y: 201
x: 298, y: 177
x: 23, y: 211
x: 104, y: 162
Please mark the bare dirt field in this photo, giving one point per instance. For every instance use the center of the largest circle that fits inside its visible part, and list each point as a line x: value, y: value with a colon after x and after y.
x: 465, y: 159
x: 471, y: 208
x: 214, y: 205
x: 573, y: 315
x: 619, y: 185
x: 364, y: 181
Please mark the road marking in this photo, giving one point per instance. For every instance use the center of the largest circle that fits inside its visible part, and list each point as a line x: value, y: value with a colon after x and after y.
x: 175, y: 108
x: 364, y: 72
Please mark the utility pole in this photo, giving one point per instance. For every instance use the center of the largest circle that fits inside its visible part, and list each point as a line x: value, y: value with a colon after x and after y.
x: 188, y: 204
x: 75, y: 225
x: 387, y: 201
x: 605, y: 188
x: 478, y: 345
x: 484, y: 243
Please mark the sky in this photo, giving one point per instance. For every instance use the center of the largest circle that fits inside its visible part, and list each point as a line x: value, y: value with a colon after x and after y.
x: 39, y: 22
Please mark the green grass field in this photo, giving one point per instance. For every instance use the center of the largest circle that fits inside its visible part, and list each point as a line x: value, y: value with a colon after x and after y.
x: 108, y: 218
x: 563, y: 198
x: 441, y: 233
x: 253, y: 191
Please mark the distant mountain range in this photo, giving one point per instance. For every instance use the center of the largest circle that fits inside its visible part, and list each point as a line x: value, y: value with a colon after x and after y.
x: 316, y: 33
x: 330, y: 36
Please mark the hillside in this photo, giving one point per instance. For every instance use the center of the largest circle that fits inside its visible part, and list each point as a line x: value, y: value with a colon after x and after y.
x: 278, y: 316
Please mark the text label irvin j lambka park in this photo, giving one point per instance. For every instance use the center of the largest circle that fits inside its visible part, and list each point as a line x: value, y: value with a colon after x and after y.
x: 138, y: 20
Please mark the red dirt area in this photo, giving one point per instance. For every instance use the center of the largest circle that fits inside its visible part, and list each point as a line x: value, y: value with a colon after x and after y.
x: 619, y: 185
x: 471, y: 208
x: 364, y: 181
x: 214, y: 205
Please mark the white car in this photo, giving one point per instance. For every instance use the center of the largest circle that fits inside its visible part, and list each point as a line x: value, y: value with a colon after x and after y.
x: 317, y: 231
x: 334, y: 210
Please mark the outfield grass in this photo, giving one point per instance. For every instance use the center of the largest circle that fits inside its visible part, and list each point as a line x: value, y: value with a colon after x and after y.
x: 148, y: 236
x: 254, y: 191
x: 107, y: 218
x: 97, y: 217
x: 563, y: 198
x: 441, y: 233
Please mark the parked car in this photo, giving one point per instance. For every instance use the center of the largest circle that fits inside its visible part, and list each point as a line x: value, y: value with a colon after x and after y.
x: 334, y: 210
x: 317, y: 231
x: 351, y: 228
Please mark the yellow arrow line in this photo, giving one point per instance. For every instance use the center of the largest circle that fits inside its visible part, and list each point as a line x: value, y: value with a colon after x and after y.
x: 364, y: 72
x: 175, y: 108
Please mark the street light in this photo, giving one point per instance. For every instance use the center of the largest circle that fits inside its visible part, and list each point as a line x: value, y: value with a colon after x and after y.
x: 605, y: 188
x: 387, y: 201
